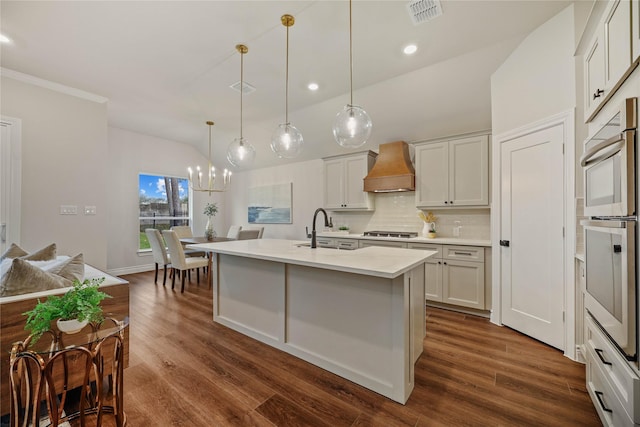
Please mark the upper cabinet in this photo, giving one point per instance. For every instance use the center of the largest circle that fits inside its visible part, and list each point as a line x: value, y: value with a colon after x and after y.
x: 343, y: 181
x: 453, y: 173
x: 609, y: 55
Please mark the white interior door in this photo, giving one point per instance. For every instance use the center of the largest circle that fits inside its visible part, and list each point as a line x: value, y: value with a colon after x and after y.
x: 10, y: 170
x: 532, y: 222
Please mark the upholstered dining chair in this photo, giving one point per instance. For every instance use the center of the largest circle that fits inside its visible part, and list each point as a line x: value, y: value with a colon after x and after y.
x: 248, y: 234
x: 260, y: 229
x: 159, y: 251
x: 184, y: 231
x: 233, y: 231
x: 178, y: 259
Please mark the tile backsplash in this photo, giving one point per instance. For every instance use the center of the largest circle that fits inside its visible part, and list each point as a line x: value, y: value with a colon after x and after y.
x: 398, y: 212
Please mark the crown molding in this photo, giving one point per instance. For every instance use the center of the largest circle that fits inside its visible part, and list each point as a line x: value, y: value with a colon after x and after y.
x: 37, y: 81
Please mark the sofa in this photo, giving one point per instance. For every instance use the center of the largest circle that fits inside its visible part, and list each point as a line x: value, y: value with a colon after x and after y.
x: 12, y: 307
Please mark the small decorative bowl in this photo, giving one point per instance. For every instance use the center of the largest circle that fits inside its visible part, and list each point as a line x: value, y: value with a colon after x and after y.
x: 431, y: 235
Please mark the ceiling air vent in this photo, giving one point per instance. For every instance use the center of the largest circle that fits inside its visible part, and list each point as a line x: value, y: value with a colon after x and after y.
x: 246, y: 87
x: 424, y: 10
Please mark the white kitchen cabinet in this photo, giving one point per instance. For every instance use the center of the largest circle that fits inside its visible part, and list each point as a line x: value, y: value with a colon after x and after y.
x: 453, y: 173
x: 609, y: 55
x: 454, y: 275
x: 343, y: 182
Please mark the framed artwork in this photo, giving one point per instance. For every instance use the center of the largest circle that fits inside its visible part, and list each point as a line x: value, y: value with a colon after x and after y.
x: 270, y: 204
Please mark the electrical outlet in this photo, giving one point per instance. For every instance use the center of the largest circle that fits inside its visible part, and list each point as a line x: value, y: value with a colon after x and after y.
x: 68, y: 210
x: 89, y: 210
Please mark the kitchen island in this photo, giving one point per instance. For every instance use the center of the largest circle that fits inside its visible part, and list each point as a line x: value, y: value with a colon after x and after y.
x: 359, y: 314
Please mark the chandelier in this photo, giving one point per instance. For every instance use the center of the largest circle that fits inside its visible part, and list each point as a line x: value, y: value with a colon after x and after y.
x: 211, y: 181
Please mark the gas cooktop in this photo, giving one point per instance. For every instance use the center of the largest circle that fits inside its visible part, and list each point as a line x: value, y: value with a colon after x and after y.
x: 403, y: 234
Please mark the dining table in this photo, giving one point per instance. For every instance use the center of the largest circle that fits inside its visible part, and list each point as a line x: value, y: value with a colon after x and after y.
x: 193, y: 240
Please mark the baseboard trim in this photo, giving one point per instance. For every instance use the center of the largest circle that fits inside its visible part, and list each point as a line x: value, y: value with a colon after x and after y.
x: 465, y: 310
x: 131, y: 270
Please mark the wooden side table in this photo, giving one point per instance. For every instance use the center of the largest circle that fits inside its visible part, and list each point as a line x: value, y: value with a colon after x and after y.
x: 43, y: 375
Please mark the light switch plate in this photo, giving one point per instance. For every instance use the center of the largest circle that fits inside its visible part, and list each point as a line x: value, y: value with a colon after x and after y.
x: 68, y: 210
x: 89, y: 210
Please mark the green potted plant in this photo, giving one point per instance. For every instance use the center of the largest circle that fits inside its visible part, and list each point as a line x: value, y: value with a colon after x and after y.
x: 79, y: 306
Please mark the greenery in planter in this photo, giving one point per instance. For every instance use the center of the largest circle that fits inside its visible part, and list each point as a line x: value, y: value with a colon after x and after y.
x: 82, y: 303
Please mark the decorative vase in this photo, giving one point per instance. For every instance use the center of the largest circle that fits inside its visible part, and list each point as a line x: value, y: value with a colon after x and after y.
x: 425, y: 229
x: 208, y: 230
x: 71, y: 326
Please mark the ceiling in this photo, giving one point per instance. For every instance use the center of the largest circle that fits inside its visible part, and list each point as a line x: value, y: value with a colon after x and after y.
x: 166, y: 66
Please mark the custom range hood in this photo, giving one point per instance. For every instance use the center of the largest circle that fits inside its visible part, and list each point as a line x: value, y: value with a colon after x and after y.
x: 392, y: 171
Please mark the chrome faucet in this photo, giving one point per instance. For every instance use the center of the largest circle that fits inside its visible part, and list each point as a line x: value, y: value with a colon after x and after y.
x: 327, y: 223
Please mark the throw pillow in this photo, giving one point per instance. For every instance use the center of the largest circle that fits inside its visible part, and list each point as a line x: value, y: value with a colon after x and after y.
x: 45, y: 254
x: 71, y: 269
x: 14, y: 251
x: 23, y: 278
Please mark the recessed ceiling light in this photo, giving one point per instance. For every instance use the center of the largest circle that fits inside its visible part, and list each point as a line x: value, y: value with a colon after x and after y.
x: 410, y: 49
x: 313, y: 86
x: 4, y: 39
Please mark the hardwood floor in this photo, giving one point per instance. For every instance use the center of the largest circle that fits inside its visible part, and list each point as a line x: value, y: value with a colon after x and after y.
x: 186, y: 370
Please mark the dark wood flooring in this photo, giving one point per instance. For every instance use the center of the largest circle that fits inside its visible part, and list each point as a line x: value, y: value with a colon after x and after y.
x: 186, y: 370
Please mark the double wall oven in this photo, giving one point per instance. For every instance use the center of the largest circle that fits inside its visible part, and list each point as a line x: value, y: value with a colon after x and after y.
x: 610, y: 164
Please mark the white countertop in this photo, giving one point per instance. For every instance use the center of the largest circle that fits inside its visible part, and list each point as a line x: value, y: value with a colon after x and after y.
x: 370, y: 261
x: 436, y: 241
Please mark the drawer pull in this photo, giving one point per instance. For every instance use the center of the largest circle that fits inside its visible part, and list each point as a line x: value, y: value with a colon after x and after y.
x: 599, y: 395
x: 601, y: 357
x: 463, y: 253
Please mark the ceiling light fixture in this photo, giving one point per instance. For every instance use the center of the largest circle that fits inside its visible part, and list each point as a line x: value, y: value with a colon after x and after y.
x: 287, y: 141
x: 210, y: 188
x: 240, y: 152
x: 313, y: 86
x: 352, y: 126
x: 410, y: 49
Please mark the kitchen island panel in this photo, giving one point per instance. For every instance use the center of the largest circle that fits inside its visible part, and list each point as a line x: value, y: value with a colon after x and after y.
x: 250, y: 297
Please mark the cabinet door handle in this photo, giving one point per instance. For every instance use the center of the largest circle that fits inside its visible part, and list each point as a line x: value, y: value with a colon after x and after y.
x: 599, y: 352
x: 599, y: 395
x: 598, y: 93
x: 450, y: 202
x: 445, y: 202
x: 463, y: 253
x: 504, y: 243
x: 444, y: 263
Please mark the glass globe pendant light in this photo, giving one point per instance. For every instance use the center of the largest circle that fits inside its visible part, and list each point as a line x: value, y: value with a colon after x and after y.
x: 287, y: 140
x: 352, y: 126
x: 240, y: 152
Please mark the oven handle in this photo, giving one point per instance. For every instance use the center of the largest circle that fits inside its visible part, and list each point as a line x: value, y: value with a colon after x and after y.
x: 616, y: 141
x: 604, y: 224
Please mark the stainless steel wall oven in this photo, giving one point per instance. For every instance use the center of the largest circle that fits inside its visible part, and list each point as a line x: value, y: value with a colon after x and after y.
x: 611, y: 192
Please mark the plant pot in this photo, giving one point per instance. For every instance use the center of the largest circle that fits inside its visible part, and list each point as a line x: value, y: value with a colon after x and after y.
x: 431, y: 235
x: 209, y: 233
x: 71, y: 326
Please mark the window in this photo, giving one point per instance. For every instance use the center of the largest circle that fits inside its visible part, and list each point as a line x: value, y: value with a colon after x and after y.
x: 164, y: 202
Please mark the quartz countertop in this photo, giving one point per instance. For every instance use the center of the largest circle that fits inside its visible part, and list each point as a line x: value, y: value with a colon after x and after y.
x: 370, y: 261
x: 436, y: 241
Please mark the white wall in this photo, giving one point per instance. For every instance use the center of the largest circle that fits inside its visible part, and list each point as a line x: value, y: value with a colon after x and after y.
x: 307, y: 179
x: 538, y: 79
x: 64, y: 147
x: 130, y: 154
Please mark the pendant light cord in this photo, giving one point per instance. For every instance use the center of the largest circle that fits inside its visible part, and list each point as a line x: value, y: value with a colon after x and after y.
x: 350, y: 56
x: 241, y: 90
x: 286, y: 87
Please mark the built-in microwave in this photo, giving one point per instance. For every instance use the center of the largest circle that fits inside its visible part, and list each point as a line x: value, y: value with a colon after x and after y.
x: 609, y: 166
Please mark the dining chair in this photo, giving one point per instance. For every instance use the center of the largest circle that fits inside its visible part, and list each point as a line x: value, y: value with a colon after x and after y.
x: 233, y: 231
x: 260, y: 229
x: 184, y: 231
x: 159, y: 251
x: 248, y: 234
x: 178, y: 259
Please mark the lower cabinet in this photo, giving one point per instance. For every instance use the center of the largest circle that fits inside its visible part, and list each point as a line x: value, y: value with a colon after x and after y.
x: 612, y: 384
x: 455, y: 275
